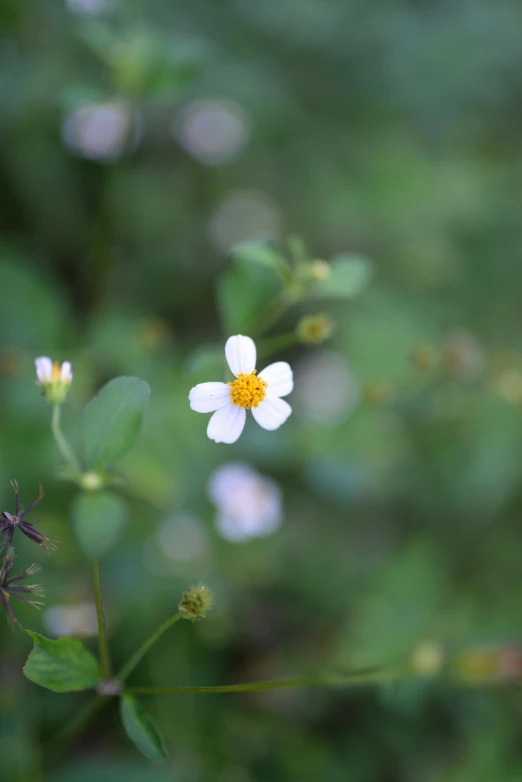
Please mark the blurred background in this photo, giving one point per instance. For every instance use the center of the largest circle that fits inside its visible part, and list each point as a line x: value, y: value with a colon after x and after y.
x: 139, y: 143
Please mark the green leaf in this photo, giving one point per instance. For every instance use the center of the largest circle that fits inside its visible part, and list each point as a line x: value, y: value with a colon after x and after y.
x: 64, y: 665
x: 262, y: 254
x: 98, y: 519
x: 207, y: 361
x: 112, y: 421
x: 349, y: 277
x: 141, y: 730
x: 243, y: 291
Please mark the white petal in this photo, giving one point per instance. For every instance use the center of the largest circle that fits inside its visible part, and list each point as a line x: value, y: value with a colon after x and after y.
x: 272, y: 412
x: 226, y: 480
x: 241, y: 354
x: 207, y: 397
x: 279, y: 377
x: 44, y: 369
x: 226, y: 424
x: 66, y: 372
x: 229, y: 528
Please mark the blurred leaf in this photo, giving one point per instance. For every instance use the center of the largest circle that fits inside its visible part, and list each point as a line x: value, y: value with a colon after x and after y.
x: 39, y: 327
x: 243, y: 291
x: 349, y: 277
x: 262, y: 254
x: 112, y: 420
x: 141, y: 730
x: 400, y: 609
x: 64, y: 665
x: 208, y: 360
x: 98, y: 519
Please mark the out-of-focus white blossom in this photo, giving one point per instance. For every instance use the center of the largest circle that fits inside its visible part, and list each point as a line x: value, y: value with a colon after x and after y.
x: 79, y: 619
x: 248, y: 504
x: 99, y: 131
x: 249, y: 391
x: 326, y: 389
x: 244, y: 216
x: 214, y: 132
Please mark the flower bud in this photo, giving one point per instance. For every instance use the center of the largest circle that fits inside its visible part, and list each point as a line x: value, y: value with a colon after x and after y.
x: 53, y: 378
x: 423, y: 357
x: 427, y: 658
x: 314, y: 329
x: 195, y: 603
x: 320, y: 270
x: 91, y: 481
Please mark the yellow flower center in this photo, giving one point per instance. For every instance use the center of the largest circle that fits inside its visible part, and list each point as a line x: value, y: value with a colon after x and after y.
x: 56, y: 374
x: 248, y: 390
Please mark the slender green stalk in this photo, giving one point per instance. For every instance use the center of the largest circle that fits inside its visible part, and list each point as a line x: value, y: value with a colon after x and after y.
x: 103, y: 646
x: 63, y: 446
x: 365, y: 676
x: 274, y: 344
x: 271, y: 313
x: 144, y: 648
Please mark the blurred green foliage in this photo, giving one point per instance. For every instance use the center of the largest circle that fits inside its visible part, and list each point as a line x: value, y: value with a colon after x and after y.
x: 384, y: 130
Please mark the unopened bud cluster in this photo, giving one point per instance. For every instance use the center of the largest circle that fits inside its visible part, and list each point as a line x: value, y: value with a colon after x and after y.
x: 314, y: 329
x: 195, y: 603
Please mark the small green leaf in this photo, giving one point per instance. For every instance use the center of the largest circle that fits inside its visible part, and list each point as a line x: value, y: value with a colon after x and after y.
x: 64, y: 665
x: 262, y: 254
x: 98, y: 519
x: 349, y: 277
x: 244, y: 290
x: 141, y: 730
x: 112, y: 420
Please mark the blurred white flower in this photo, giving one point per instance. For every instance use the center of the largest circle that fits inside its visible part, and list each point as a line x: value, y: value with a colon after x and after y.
x: 249, y: 505
x: 260, y: 393
x: 93, y: 7
x: 54, y: 379
x: 212, y: 131
x: 244, y: 216
x: 77, y: 619
x: 98, y: 131
x: 327, y: 389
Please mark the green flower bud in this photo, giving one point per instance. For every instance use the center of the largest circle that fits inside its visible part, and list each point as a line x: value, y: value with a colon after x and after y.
x: 195, y: 603
x: 314, y: 329
x: 91, y: 481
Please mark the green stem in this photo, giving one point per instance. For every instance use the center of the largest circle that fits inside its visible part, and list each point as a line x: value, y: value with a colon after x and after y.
x: 103, y: 646
x: 365, y: 676
x: 275, y: 344
x: 144, y: 648
x: 272, y: 313
x: 61, y: 442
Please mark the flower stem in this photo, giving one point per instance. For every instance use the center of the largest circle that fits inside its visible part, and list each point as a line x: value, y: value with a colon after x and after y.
x: 272, y: 312
x: 363, y: 676
x: 103, y: 646
x: 144, y: 648
x: 275, y: 344
x: 61, y: 442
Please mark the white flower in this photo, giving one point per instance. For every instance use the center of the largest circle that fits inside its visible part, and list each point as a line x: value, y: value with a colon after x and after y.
x: 54, y: 379
x: 248, y: 504
x: 261, y: 393
x: 77, y: 619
